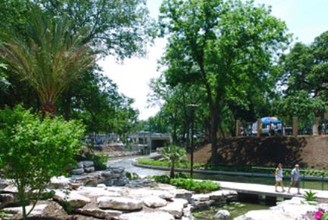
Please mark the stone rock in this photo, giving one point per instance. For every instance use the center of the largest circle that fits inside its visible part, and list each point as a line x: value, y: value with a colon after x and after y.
x: 157, y: 215
x: 222, y: 215
x: 143, y: 192
x: 74, y: 199
x: 4, y: 183
x: 78, y: 171
x: 187, y: 211
x: 88, y: 163
x: 184, y: 194
x: 201, y: 197
x: 121, y: 181
x: 119, y: 170
x: 175, y: 208
x: 106, y: 173
x: 119, y: 203
x: 154, y: 201
x: 141, y: 183
x: 9, y: 189
x: 89, y: 169
x: 203, y: 204
x: 7, y: 198
x: 91, y: 209
x: 42, y: 209
x: 80, y: 164
x: 103, y: 186
x: 90, y: 179
x: 91, y: 192
x: 60, y: 182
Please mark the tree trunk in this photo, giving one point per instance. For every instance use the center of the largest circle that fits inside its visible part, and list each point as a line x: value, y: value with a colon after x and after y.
x: 213, y: 135
x: 172, y: 169
x: 48, y: 109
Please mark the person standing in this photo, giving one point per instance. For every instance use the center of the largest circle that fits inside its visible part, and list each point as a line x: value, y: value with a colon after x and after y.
x: 295, y: 179
x: 279, y: 176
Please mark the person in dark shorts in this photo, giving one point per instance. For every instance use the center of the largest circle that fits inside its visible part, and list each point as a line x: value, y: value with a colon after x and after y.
x: 295, y: 179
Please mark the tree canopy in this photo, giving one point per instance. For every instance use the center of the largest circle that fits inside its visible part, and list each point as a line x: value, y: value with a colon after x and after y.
x: 227, y: 48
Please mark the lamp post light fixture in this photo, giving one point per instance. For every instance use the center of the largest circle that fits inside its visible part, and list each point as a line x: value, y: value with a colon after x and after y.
x: 192, y: 106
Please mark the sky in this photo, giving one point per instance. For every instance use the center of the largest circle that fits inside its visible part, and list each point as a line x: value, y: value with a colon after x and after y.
x: 305, y: 19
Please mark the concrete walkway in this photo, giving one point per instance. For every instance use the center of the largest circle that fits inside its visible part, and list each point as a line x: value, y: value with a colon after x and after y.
x: 265, y: 190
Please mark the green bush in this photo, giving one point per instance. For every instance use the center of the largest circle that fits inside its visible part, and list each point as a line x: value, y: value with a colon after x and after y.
x: 98, y: 159
x: 34, y: 149
x: 189, y: 184
x: 310, y: 196
x: 162, y: 179
x: 194, y: 185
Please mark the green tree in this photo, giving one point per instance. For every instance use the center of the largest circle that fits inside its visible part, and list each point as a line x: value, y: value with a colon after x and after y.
x: 33, y: 150
x: 305, y: 76
x: 47, y: 56
x: 119, y: 28
x: 217, y: 45
x: 174, y: 154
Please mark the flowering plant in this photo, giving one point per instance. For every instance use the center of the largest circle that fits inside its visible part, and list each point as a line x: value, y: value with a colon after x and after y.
x: 321, y: 215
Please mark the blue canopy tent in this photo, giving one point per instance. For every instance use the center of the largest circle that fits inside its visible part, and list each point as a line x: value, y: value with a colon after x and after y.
x: 269, y: 120
x: 265, y: 122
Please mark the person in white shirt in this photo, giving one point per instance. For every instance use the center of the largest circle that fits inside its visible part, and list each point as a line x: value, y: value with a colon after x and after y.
x: 295, y: 179
x: 279, y: 176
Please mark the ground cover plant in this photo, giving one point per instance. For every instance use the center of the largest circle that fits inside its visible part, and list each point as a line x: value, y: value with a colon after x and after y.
x: 203, y: 186
x: 34, y: 149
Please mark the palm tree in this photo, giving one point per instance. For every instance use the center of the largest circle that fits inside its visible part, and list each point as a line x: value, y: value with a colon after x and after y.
x: 174, y: 154
x: 48, y: 56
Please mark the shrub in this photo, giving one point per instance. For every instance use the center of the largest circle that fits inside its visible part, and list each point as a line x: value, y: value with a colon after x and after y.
x: 174, y: 154
x: 310, y: 196
x: 34, y: 149
x: 189, y: 184
x: 98, y: 159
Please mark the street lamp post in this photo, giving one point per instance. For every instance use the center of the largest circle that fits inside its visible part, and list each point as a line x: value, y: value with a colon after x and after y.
x: 192, y: 106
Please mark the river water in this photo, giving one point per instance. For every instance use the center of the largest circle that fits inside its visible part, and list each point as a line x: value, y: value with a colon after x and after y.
x: 127, y: 164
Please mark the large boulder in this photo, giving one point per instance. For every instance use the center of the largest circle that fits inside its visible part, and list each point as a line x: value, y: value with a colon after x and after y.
x: 175, y: 207
x: 154, y: 201
x: 155, y: 215
x: 92, y: 209
x: 43, y: 209
x: 222, y: 215
x: 60, y: 182
x: 119, y: 203
x: 73, y: 198
x: 92, y: 192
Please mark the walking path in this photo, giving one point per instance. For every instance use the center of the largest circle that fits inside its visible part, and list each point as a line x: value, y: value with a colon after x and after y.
x: 259, y: 189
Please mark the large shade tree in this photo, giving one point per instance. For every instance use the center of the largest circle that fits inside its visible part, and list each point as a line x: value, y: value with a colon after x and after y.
x: 304, y: 76
x: 47, y: 56
x: 227, y: 47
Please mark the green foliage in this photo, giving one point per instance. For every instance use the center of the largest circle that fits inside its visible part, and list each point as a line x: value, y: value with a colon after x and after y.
x: 217, y: 44
x: 33, y: 150
x: 162, y: 179
x: 310, y: 196
x: 47, y: 55
x: 189, y: 184
x: 99, y: 160
x: 174, y: 154
x: 132, y: 176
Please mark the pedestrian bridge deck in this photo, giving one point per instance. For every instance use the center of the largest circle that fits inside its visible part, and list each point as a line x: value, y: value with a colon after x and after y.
x: 266, y: 190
